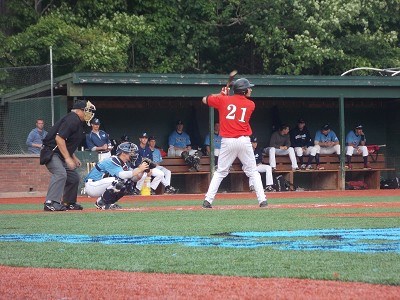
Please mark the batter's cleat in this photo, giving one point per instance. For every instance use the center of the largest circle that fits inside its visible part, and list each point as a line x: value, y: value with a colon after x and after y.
x: 251, y: 188
x: 54, y: 206
x: 206, y: 204
x: 170, y: 190
x: 269, y: 188
x: 309, y: 167
x: 303, y: 166
x: 263, y: 204
x: 73, y: 206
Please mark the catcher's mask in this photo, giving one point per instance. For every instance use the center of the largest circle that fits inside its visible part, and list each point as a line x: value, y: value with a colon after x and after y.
x: 241, y: 85
x: 130, y: 148
x: 89, y: 111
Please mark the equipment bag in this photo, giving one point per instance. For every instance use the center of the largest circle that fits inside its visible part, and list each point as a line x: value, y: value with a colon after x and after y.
x: 391, y: 183
x: 46, y: 154
x: 281, y: 184
x: 356, y: 185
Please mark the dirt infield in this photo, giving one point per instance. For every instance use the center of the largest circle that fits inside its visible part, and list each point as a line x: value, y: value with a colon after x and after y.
x: 35, y: 283
x: 45, y: 283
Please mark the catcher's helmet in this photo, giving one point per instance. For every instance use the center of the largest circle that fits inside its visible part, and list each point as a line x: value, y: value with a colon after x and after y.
x: 129, y: 148
x: 241, y: 85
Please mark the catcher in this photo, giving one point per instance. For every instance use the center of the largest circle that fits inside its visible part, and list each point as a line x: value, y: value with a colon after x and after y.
x: 112, y: 178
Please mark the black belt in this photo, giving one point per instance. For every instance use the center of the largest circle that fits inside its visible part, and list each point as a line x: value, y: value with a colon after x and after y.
x: 101, y: 152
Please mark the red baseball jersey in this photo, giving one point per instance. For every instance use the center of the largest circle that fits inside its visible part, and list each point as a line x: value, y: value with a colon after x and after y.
x: 234, y: 114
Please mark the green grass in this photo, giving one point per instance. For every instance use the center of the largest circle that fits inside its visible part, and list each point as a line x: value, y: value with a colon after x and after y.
x: 383, y: 268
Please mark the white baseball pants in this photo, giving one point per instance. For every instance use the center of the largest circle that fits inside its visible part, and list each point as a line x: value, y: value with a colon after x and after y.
x: 328, y: 150
x: 350, y: 150
x: 273, y: 151
x: 232, y: 148
x: 309, y: 151
x: 158, y: 177
x: 261, y: 168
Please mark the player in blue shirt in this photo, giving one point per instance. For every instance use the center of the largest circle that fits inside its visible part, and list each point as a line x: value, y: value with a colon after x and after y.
x: 355, y: 144
x: 217, y: 143
x: 179, y: 141
x: 98, y: 140
x: 157, y: 158
x: 157, y: 175
x: 326, y: 142
x: 113, y: 178
x: 35, y: 138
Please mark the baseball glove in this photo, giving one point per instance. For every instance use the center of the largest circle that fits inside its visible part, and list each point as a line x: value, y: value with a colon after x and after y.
x: 151, y: 163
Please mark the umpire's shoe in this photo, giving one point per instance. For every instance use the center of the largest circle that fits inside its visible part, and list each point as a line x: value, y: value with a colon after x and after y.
x: 54, y: 206
x: 73, y: 206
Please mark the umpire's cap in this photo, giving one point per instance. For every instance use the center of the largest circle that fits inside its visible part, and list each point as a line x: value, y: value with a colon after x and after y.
x: 79, y: 104
x: 241, y: 85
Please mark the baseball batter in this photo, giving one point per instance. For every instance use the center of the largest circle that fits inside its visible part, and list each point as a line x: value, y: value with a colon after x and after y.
x: 234, y: 115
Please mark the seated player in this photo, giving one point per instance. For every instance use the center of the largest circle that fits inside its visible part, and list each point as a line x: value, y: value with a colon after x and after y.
x: 261, y: 168
x: 355, y: 141
x: 112, y: 178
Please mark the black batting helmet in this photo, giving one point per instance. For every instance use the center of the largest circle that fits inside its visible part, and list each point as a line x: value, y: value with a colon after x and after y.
x: 241, y: 85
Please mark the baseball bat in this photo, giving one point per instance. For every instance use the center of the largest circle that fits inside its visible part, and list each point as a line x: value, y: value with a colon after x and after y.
x: 231, y: 76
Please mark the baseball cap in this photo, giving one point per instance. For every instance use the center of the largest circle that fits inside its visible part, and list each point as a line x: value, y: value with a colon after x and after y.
x: 125, y: 138
x: 301, y: 120
x: 179, y: 122
x: 79, y: 104
x: 144, y: 134
x: 253, y: 139
x: 359, y: 127
x: 326, y: 127
x: 152, y: 138
x: 95, y: 121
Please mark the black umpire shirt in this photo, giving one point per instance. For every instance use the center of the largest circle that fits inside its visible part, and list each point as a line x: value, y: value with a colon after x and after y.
x: 70, y: 128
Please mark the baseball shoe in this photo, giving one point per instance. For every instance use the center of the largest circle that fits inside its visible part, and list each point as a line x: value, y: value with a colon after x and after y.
x: 206, y: 204
x: 348, y: 166
x: 263, y: 204
x: 73, y: 206
x: 367, y: 167
x: 170, y: 190
x: 269, y: 188
x: 135, y: 191
x: 295, y: 169
x: 303, y: 166
x: 309, y: 167
x: 273, y: 169
x: 152, y: 192
x: 54, y: 206
x: 114, y: 206
x: 100, y: 204
x: 319, y: 167
x: 251, y: 188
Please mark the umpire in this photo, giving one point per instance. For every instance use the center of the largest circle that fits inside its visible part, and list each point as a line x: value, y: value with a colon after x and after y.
x: 65, y: 137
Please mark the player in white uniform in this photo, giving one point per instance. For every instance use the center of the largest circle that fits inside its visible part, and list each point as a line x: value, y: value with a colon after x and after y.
x: 112, y: 178
x: 261, y: 168
x: 234, y: 117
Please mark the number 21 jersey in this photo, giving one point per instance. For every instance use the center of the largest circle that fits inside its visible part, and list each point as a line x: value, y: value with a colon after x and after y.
x: 234, y: 114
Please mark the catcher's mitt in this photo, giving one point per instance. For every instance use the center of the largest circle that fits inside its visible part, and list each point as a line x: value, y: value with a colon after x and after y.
x: 151, y: 163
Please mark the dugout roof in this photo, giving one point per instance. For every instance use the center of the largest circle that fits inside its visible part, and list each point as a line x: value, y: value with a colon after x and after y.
x: 197, y: 85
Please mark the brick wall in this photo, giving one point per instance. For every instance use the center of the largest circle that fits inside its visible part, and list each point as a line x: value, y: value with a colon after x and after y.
x: 22, y: 174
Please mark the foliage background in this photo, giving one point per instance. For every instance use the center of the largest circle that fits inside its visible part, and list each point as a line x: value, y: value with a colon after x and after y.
x: 307, y: 37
